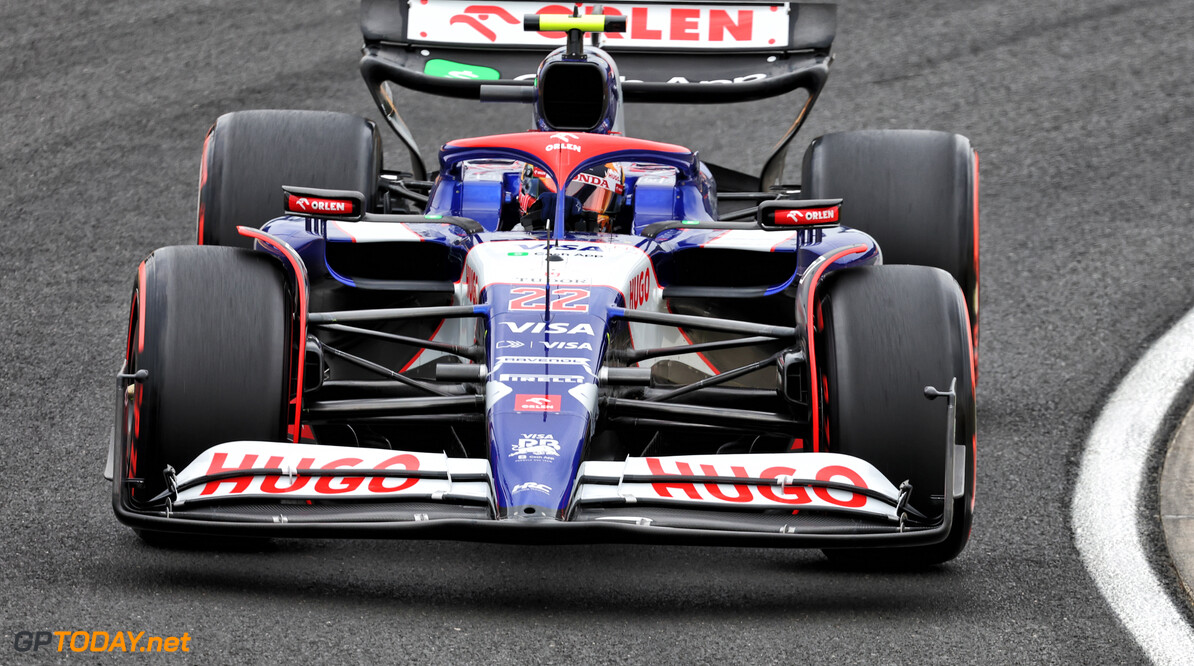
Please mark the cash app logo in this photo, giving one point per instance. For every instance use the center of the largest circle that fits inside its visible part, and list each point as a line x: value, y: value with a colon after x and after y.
x: 459, y: 70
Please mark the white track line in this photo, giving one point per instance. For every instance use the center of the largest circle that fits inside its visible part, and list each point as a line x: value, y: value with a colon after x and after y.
x: 1106, y: 507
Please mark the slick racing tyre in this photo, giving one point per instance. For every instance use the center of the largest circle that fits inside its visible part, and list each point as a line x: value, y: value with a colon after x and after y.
x: 209, y: 329
x: 914, y: 191
x: 887, y: 332
x: 249, y: 155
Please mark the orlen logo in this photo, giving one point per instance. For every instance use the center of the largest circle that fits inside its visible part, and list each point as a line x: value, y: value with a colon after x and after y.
x: 475, y: 15
x: 681, y: 24
x: 807, y: 216
x: 313, y: 205
x: 565, y: 140
x: 648, y: 23
x: 524, y: 402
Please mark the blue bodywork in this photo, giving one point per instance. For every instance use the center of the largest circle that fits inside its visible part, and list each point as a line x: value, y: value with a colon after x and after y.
x: 538, y: 431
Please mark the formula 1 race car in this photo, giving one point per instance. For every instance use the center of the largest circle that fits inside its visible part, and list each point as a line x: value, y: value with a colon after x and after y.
x: 567, y: 334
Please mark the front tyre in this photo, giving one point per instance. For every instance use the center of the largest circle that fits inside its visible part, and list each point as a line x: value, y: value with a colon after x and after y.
x: 209, y: 329
x: 887, y: 332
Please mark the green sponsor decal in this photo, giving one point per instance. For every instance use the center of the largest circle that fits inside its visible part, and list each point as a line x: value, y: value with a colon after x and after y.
x: 459, y: 70
x: 516, y: 254
x: 689, y: 222
x: 433, y: 217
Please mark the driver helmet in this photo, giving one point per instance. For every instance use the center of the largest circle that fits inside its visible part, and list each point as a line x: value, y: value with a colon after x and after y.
x: 595, y: 197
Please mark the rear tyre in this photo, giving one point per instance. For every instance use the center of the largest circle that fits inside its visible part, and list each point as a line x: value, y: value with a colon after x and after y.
x: 249, y: 155
x: 914, y: 191
x: 887, y: 333
x: 210, y: 328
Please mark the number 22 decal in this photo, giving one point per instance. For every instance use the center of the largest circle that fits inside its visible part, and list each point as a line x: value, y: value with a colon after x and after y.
x: 563, y: 299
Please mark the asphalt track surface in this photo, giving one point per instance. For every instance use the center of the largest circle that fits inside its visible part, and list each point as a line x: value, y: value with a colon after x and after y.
x: 1083, y: 114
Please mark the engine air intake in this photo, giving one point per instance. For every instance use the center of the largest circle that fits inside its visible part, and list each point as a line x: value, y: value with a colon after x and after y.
x: 573, y: 95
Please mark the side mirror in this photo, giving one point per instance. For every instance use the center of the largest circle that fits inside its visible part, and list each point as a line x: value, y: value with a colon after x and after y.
x: 324, y: 204
x: 799, y: 213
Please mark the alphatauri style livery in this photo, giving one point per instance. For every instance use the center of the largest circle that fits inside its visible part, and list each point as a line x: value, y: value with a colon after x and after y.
x: 566, y: 334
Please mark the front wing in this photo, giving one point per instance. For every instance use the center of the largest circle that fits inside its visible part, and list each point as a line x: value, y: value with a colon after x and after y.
x: 303, y: 490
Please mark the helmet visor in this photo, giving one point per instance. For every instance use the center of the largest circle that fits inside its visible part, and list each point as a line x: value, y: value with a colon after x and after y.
x: 597, y: 189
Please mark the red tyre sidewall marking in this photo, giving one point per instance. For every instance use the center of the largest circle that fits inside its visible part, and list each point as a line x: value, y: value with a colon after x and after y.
x: 203, y: 160
x: 136, y: 322
x: 977, y: 272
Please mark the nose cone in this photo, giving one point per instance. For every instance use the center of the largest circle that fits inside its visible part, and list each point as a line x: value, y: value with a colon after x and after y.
x: 535, y: 459
x: 546, y: 343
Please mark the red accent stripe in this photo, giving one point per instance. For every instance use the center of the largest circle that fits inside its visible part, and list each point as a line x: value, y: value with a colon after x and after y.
x: 688, y: 340
x: 203, y: 159
x: 343, y: 230
x: 700, y: 355
x: 814, y: 394
x: 296, y: 431
x: 420, y: 352
x: 785, y: 240
x: 715, y: 237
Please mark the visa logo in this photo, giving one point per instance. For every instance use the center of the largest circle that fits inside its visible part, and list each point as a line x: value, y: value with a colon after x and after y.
x: 557, y: 328
x: 566, y: 345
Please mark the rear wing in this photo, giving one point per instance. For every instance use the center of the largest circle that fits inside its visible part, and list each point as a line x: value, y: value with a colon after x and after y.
x: 686, y: 52
x: 681, y: 52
